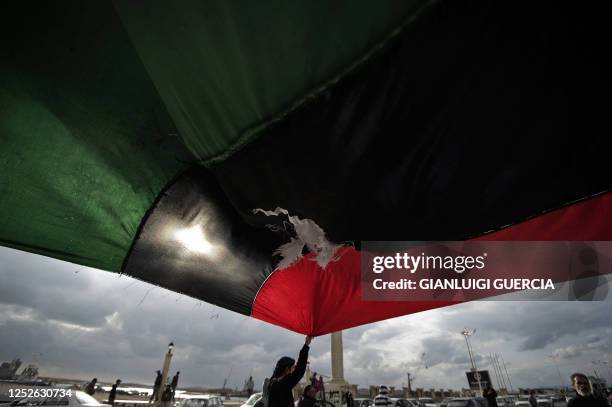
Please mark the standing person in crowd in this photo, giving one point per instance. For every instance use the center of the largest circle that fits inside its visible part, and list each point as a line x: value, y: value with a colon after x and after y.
x: 286, y: 375
x: 321, y: 387
x: 248, y: 386
x: 349, y: 399
x: 91, y: 386
x: 113, y: 393
x: 533, y: 402
x: 491, y: 395
x: 313, y: 381
x: 174, y: 383
x: 166, y: 396
x: 309, y: 397
x: 156, y: 387
x: 584, y: 393
x: 382, y: 399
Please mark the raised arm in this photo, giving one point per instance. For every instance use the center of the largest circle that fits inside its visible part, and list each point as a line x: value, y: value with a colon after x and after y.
x: 294, y: 377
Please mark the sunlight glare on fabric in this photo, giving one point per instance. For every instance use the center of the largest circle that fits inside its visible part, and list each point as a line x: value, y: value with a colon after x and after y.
x: 193, y: 239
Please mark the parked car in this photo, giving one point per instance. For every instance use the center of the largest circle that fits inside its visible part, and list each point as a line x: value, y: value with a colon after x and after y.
x: 501, y: 401
x: 468, y: 402
x: 505, y: 401
x: 570, y: 395
x: 512, y: 399
x: 416, y: 402
x: 26, y: 401
x: 318, y: 403
x: 202, y: 400
x: 544, y: 401
x: 255, y: 397
x: 522, y: 401
x: 77, y: 398
x: 558, y: 400
x: 445, y: 402
x: 429, y: 402
x: 363, y: 402
x: 401, y: 403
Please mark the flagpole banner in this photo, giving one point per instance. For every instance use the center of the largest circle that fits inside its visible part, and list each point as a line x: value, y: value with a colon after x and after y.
x: 240, y: 153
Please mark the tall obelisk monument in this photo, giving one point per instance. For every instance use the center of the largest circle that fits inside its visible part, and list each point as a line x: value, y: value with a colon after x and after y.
x: 337, y: 360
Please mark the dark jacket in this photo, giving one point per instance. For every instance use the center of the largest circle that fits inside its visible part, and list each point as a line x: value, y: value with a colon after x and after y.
x: 349, y: 400
x: 306, y: 402
x: 279, y: 390
x: 112, y: 395
x: 91, y: 388
x: 167, y: 394
x: 491, y: 396
x: 587, y: 401
x: 174, y: 382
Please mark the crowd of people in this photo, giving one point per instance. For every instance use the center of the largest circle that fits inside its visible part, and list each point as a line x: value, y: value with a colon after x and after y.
x: 92, y: 386
x: 167, y: 395
x: 278, y: 389
x: 585, y: 396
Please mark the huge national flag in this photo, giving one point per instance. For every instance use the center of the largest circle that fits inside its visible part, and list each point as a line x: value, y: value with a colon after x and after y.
x: 219, y: 149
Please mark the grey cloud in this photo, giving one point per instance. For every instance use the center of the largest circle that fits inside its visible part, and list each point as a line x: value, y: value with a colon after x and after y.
x: 516, y: 322
x: 442, y: 350
x: 37, y: 296
x: 25, y: 282
x: 538, y: 341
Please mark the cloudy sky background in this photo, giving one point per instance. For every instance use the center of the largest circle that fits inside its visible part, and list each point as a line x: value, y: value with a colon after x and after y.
x: 78, y: 322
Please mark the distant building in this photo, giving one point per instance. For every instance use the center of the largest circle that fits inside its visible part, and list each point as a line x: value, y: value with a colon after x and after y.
x: 363, y: 392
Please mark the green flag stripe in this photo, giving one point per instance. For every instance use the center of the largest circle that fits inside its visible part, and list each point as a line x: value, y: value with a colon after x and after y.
x: 86, y: 144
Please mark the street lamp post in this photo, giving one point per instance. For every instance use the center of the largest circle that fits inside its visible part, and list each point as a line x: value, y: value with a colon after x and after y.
x: 607, y: 364
x: 503, y: 379
x: 507, y: 375
x: 595, y: 363
x: 554, y: 359
x: 166, y: 368
x: 604, y: 363
x: 467, y: 333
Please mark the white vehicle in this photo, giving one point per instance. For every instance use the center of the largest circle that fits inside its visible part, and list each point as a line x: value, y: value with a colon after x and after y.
x: 318, y: 403
x: 558, y: 400
x: 76, y: 399
x: 362, y: 402
x: 416, y: 403
x: 429, y: 402
x: 467, y: 402
x: 512, y: 399
x: 505, y: 401
x: 502, y: 402
x: 201, y: 400
x: 544, y: 401
x: 395, y: 402
x: 570, y: 395
x: 522, y: 401
x: 255, y: 397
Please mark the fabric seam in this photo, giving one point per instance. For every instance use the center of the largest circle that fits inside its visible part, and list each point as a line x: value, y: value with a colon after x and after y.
x: 252, y: 133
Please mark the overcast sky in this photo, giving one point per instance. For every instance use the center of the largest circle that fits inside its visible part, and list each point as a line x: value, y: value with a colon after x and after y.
x: 78, y: 322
